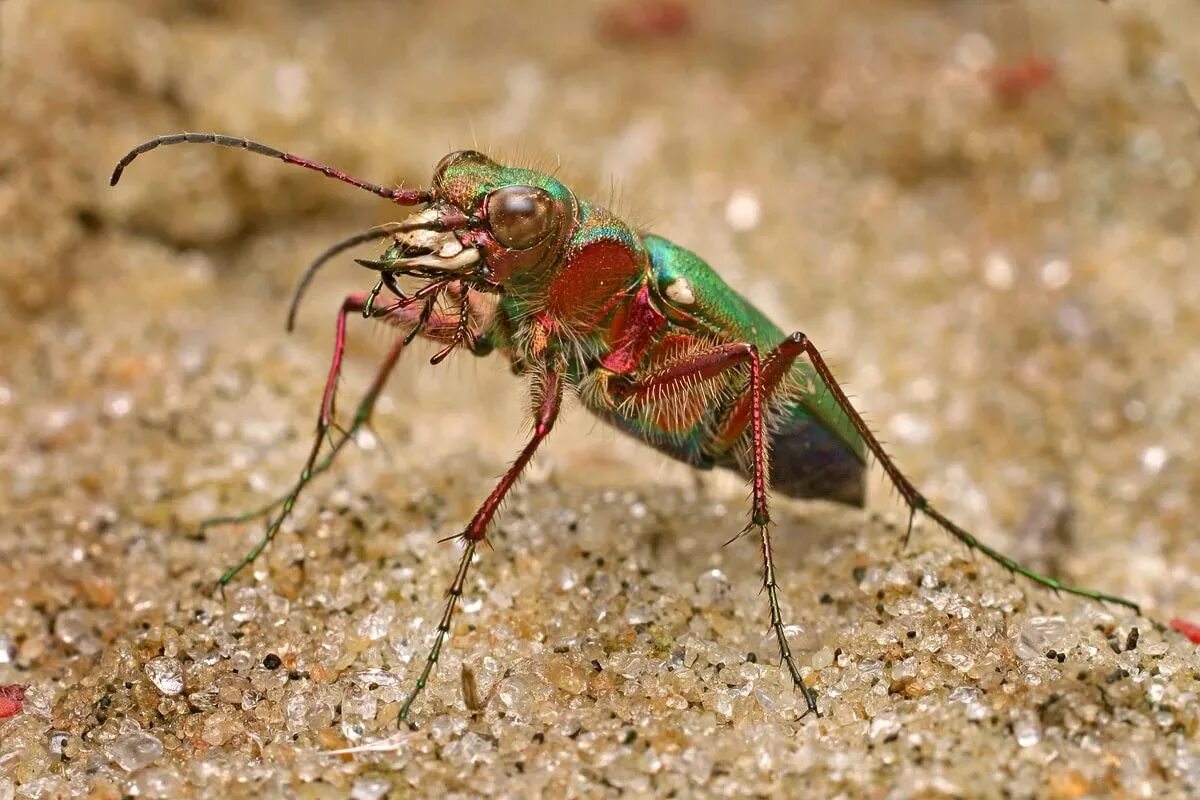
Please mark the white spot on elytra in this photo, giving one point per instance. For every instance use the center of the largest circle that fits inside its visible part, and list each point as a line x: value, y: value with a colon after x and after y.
x: 680, y: 291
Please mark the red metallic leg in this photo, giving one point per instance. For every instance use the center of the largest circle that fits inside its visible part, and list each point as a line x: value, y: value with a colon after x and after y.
x: 476, y: 530
x: 798, y: 343
x: 437, y: 327
x: 775, y: 368
x: 708, y: 365
x: 351, y: 304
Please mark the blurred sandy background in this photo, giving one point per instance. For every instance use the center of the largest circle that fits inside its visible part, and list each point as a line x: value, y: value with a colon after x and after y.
x: 984, y: 213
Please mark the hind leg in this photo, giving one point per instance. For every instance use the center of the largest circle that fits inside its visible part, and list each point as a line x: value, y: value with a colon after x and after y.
x: 798, y: 345
x: 764, y: 379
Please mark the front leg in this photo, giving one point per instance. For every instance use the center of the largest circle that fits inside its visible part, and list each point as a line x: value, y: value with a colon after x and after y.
x: 435, y: 327
x: 550, y: 389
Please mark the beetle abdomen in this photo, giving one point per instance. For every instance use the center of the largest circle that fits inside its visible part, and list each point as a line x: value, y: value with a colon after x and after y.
x: 807, y: 460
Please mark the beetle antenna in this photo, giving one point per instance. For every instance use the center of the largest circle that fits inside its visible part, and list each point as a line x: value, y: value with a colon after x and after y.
x: 405, y: 197
x: 369, y: 235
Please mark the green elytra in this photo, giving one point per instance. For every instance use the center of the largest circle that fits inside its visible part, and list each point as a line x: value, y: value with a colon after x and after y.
x: 645, y: 332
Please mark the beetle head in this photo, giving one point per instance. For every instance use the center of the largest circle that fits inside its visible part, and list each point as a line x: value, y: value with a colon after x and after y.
x: 499, y: 222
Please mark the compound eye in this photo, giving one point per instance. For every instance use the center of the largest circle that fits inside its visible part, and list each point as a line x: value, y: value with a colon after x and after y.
x: 520, y: 216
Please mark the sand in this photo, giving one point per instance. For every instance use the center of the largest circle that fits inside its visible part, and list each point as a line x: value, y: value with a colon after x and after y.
x: 983, y: 213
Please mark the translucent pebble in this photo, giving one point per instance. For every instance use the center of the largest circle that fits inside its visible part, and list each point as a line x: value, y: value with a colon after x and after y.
x: 638, y: 615
x: 39, y: 701
x: 1041, y: 634
x: 374, y: 677
x: 472, y: 605
x: 1056, y: 273
x: 378, y: 623
x: 157, y: 783
x: 870, y: 671
x: 975, y: 51
x: 295, y: 712
x: 1146, y: 145
x: 999, y: 271
x: 241, y: 661
x: 263, y: 680
x: 973, y: 703
x: 698, y: 765
x: 471, y: 749
x: 56, y: 741
x: 711, y: 588
x: 743, y: 211
x: 135, y: 750
x: 250, y: 699
x: 566, y: 676
x: 933, y: 642
x: 47, y: 786
x: 904, y: 670
x: 370, y: 788
x: 229, y: 689
x: 629, y: 665
x: 118, y: 405
x: 885, y: 725
x: 1026, y: 729
x: 220, y: 728
x: 910, y: 427
x: 963, y: 662
x: 8, y: 649
x: 446, y: 727
x: 75, y: 627
x: 567, y: 579
x: 1132, y: 774
x: 822, y: 658
x: 1155, y: 649
x: 1154, y: 459
x: 359, y: 707
x: 166, y: 674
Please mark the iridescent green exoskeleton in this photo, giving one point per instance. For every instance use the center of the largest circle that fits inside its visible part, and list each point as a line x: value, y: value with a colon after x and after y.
x: 645, y: 332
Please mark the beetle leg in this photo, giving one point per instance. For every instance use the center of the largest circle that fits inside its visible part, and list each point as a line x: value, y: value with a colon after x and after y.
x: 706, y: 365
x: 439, y: 328
x: 351, y: 304
x: 476, y: 530
x: 798, y: 344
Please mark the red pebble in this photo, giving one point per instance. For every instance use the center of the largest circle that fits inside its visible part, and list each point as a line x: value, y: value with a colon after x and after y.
x: 12, y: 700
x: 1188, y: 629
x: 647, y: 19
x: 1012, y: 83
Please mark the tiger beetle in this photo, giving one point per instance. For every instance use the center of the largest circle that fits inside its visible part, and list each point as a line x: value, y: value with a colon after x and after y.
x: 644, y: 332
